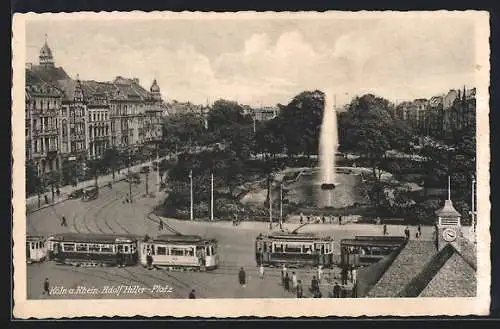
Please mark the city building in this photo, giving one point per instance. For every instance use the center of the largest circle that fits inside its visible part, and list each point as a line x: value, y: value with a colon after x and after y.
x: 440, y: 116
x: 265, y: 113
x: 74, y: 120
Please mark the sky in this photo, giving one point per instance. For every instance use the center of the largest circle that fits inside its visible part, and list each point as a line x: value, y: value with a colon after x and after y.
x: 267, y: 61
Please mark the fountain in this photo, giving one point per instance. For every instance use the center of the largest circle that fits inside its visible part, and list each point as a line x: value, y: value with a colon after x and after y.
x: 328, y: 145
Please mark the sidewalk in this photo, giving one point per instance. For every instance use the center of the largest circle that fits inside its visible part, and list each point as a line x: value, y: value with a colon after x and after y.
x: 32, y: 201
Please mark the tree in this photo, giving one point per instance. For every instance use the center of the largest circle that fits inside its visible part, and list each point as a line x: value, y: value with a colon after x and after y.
x: 32, y: 179
x: 182, y: 130
x: 111, y: 159
x: 369, y: 129
x: 269, y: 139
x: 301, y: 122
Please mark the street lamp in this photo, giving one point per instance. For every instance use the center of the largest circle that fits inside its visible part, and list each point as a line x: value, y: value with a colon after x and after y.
x: 281, y: 205
x: 212, y: 197
x: 129, y: 178
x: 191, y: 193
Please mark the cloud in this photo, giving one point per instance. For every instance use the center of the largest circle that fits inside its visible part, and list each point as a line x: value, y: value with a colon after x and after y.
x: 397, y: 58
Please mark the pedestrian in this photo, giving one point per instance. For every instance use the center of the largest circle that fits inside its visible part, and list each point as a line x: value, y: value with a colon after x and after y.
x: 46, y: 287
x: 308, y: 219
x: 286, y: 282
x: 301, y: 218
x: 261, y: 271
x: 419, y: 230
x: 283, y: 273
x: 384, y: 229
x: 46, y: 198
x: 58, y: 192
x: 63, y: 221
x: 192, y: 295
x: 320, y: 273
x: 300, y: 289
x: 294, y: 281
x: 242, y: 277
x: 354, y: 276
x: 344, y: 276
x: 336, y: 290
x: 160, y: 226
x: 149, y: 261
x: 323, y: 219
x: 407, y: 232
x: 314, y: 284
x: 378, y: 221
x: 340, y: 219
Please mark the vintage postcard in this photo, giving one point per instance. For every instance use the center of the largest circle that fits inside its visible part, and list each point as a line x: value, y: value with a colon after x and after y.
x: 251, y: 164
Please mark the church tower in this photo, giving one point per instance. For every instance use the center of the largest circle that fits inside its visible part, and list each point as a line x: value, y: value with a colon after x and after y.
x: 155, y: 91
x: 45, y: 58
x: 448, y: 227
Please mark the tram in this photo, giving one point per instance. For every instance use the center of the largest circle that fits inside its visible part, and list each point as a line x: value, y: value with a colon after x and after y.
x: 91, y: 249
x: 294, y: 250
x: 36, y: 249
x: 181, y: 252
x: 366, y: 250
x: 90, y: 193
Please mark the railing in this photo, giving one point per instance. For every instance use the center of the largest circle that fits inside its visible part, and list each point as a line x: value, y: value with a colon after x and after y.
x: 46, y: 131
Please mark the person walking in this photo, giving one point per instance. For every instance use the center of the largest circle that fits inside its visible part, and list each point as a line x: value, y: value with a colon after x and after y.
x: 419, y: 231
x: 58, y: 192
x: 261, y: 271
x: 242, y: 277
x: 336, y: 290
x: 344, y: 276
x: 320, y: 273
x: 283, y: 274
x: 407, y: 233
x: 46, y: 287
x: 300, y: 289
x: 192, y: 295
x: 160, y: 226
x: 384, y: 229
x: 314, y: 284
x: 46, y: 198
x: 286, y: 282
x: 63, y: 221
x: 340, y: 219
x: 294, y: 281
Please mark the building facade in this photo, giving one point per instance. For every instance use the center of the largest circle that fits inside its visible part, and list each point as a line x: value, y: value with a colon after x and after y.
x: 441, y: 116
x: 73, y: 120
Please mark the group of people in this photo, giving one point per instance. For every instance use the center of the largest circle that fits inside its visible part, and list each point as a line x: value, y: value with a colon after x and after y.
x: 320, y: 219
x: 418, y: 233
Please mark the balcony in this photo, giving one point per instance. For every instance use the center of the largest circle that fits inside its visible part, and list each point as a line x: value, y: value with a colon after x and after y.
x: 46, y: 132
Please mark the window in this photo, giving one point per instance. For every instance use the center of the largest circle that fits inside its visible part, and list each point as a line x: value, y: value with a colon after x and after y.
x: 278, y: 247
x: 161, y: 250
x: 106, y: 248
x: 177, y: 252
x: 190, y: 252
x: 125, y: 249
x: 81, y: 247
x: 94, y: 248
x: 68, y: 247
x: 294, y: 249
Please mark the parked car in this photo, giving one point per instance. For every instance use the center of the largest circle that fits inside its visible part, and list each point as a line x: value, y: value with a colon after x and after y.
x: 76, y: 194
x: 144, y: 169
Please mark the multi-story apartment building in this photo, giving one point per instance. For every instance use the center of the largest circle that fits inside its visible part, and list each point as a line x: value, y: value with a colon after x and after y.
x: 77, y: 120
x: 42, y: 106
x: 441, y: 116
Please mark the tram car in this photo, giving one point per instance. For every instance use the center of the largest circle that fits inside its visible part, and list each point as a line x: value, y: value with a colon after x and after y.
x: 294, y: 250
x: 366, y: 250
x: 91, y: 249
x: 190, y: 252
x: 36, y: 249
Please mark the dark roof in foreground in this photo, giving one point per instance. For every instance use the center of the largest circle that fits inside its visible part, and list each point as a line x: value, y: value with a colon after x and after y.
x: 419, y: 270
x: 49, y: 73
x: 409, y: 262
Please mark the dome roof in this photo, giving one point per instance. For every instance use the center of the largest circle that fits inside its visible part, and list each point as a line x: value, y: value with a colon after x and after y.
x: 45, y: 51
x: 154, y: 87
x: 448, y: 210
